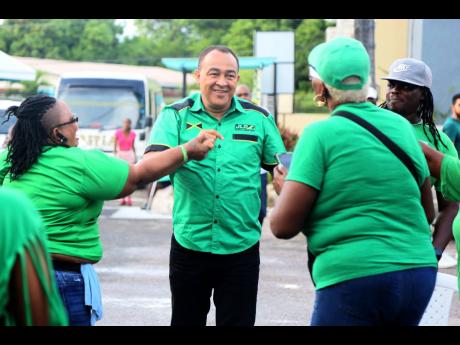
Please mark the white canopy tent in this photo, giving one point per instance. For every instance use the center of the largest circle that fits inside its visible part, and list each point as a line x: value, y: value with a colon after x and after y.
x: 14, y: 70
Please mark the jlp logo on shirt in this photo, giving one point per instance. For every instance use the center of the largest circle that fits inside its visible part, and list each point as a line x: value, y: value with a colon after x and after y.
x: 242, y: 127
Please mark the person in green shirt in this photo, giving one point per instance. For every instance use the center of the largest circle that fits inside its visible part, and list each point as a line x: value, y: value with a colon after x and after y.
x: 68, y: 186
x: 447, y: 169
x: 409, y: 95
x: 216, y: 232
x: 452, y: 125
x: 365, y: 216
x: 28, y: 291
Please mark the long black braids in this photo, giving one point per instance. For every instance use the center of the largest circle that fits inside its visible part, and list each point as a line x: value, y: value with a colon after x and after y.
x: 425, y: 112
x: 29, y: 136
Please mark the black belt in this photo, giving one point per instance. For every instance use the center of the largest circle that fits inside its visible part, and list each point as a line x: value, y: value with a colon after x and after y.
x: 60, y: 265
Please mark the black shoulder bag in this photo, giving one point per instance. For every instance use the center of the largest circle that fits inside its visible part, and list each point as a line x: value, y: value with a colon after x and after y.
x: 390, y: 144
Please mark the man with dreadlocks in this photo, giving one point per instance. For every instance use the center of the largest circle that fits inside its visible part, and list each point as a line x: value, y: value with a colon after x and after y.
x: 409, y: 95
x: 68, y: 186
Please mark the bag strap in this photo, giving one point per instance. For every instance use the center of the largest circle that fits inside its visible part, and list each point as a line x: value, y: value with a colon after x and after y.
x: 407, y: 161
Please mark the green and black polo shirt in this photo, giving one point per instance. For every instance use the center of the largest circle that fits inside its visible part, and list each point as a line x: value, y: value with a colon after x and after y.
x: 217, y: 200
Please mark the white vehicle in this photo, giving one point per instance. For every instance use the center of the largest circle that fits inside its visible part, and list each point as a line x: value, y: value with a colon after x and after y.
x: 4, y: 127
x: 102, y: 101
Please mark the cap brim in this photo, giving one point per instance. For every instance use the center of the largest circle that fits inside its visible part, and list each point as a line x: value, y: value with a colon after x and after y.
x: 403, y: 80
x: 314, y: 57
x: 312, y: 72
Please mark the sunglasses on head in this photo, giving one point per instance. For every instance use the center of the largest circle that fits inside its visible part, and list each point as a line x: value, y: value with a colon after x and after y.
x: 72, y: 120
x: 242, y: 94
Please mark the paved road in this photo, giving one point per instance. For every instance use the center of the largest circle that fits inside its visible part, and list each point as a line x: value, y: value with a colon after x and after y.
x: 134, y: 274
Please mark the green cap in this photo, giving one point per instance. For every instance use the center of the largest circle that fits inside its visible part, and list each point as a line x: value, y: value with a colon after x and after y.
x: 339, y: 59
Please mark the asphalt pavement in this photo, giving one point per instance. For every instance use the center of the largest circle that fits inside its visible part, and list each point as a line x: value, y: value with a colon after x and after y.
x: 134, y: 272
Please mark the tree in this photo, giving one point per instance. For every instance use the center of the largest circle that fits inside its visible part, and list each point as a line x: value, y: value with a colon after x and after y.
x: 98, y: 41
x: 308, y: 34
x: 43, y: 38
x: 67, y: 39
x: 169, y: 37
x: 177, y: 37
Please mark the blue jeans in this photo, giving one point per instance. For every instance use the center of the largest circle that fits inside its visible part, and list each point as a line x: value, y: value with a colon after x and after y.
x: 72, y: 291
x: 394, y: 298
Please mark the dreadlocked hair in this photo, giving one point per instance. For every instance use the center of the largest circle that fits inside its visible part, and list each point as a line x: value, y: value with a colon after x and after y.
x: 425, y: 111
x: 29, y: 136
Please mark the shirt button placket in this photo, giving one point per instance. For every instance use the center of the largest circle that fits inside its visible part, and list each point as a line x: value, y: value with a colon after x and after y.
x: 216, y: 191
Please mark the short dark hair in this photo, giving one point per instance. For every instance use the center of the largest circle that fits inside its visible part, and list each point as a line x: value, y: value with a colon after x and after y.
x: 222, y: 49
x: 455, y: 97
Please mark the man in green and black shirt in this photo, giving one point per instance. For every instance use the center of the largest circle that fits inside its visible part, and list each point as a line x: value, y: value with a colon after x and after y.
x: 216, y: 232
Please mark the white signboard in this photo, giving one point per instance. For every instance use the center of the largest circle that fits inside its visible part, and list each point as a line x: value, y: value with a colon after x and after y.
x: 279, y: 44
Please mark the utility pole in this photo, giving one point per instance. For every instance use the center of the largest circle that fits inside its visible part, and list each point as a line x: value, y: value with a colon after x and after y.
x: 364, y: 32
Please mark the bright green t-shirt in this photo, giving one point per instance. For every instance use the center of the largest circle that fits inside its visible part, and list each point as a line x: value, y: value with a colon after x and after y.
x: 368, y: 218
x: 217, y: 199
x: 427, y: 137
x: 450, y: 178
x: 450, y: 189
x: 68, y: 187
x: 22, y: 231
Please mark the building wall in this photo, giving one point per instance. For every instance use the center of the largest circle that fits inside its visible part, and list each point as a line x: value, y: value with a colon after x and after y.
x: 391, y: 43
x: 343, y: 27
x: 440, y: 51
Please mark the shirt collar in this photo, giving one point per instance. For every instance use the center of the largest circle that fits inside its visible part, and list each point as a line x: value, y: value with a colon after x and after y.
x: 198, y: 104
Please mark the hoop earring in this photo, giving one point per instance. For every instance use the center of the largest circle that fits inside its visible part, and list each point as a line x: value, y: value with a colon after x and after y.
x: 319, y: 101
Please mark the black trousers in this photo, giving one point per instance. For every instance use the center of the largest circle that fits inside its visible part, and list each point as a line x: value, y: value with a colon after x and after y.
x: 234, y: 277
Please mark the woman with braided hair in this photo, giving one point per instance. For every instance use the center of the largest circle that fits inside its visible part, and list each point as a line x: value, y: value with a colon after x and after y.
x: 409, y: 95
x: 68, y: 186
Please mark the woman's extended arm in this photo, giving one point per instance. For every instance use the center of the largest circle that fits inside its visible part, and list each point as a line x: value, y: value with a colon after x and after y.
x: 158, y: 164
x: 292, y: 208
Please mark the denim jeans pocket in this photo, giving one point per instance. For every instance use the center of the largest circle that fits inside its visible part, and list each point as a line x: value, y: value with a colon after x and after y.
x: 68, y: 278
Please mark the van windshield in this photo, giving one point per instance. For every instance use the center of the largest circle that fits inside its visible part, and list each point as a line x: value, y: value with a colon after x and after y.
x: 102, y: 107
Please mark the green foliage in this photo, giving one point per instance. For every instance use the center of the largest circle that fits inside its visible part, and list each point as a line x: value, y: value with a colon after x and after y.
x: 241, y: 34
x: 303, y: 103
x: 29, y: 88
x: 67, y: 39
x: 247, y: 77
x: 309, y: 33
x: 99, y: 40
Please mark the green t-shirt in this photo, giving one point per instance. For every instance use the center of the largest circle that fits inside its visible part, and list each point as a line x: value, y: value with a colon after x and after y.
x: 450, y: 188
x: 452, y: 128
x: 22, y: 231
x: 450, y: 178
x: 217, y: 200
x: 68, y: 187
x: 368, y: 218
x: 456, y: 233
x: 427, y: 137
